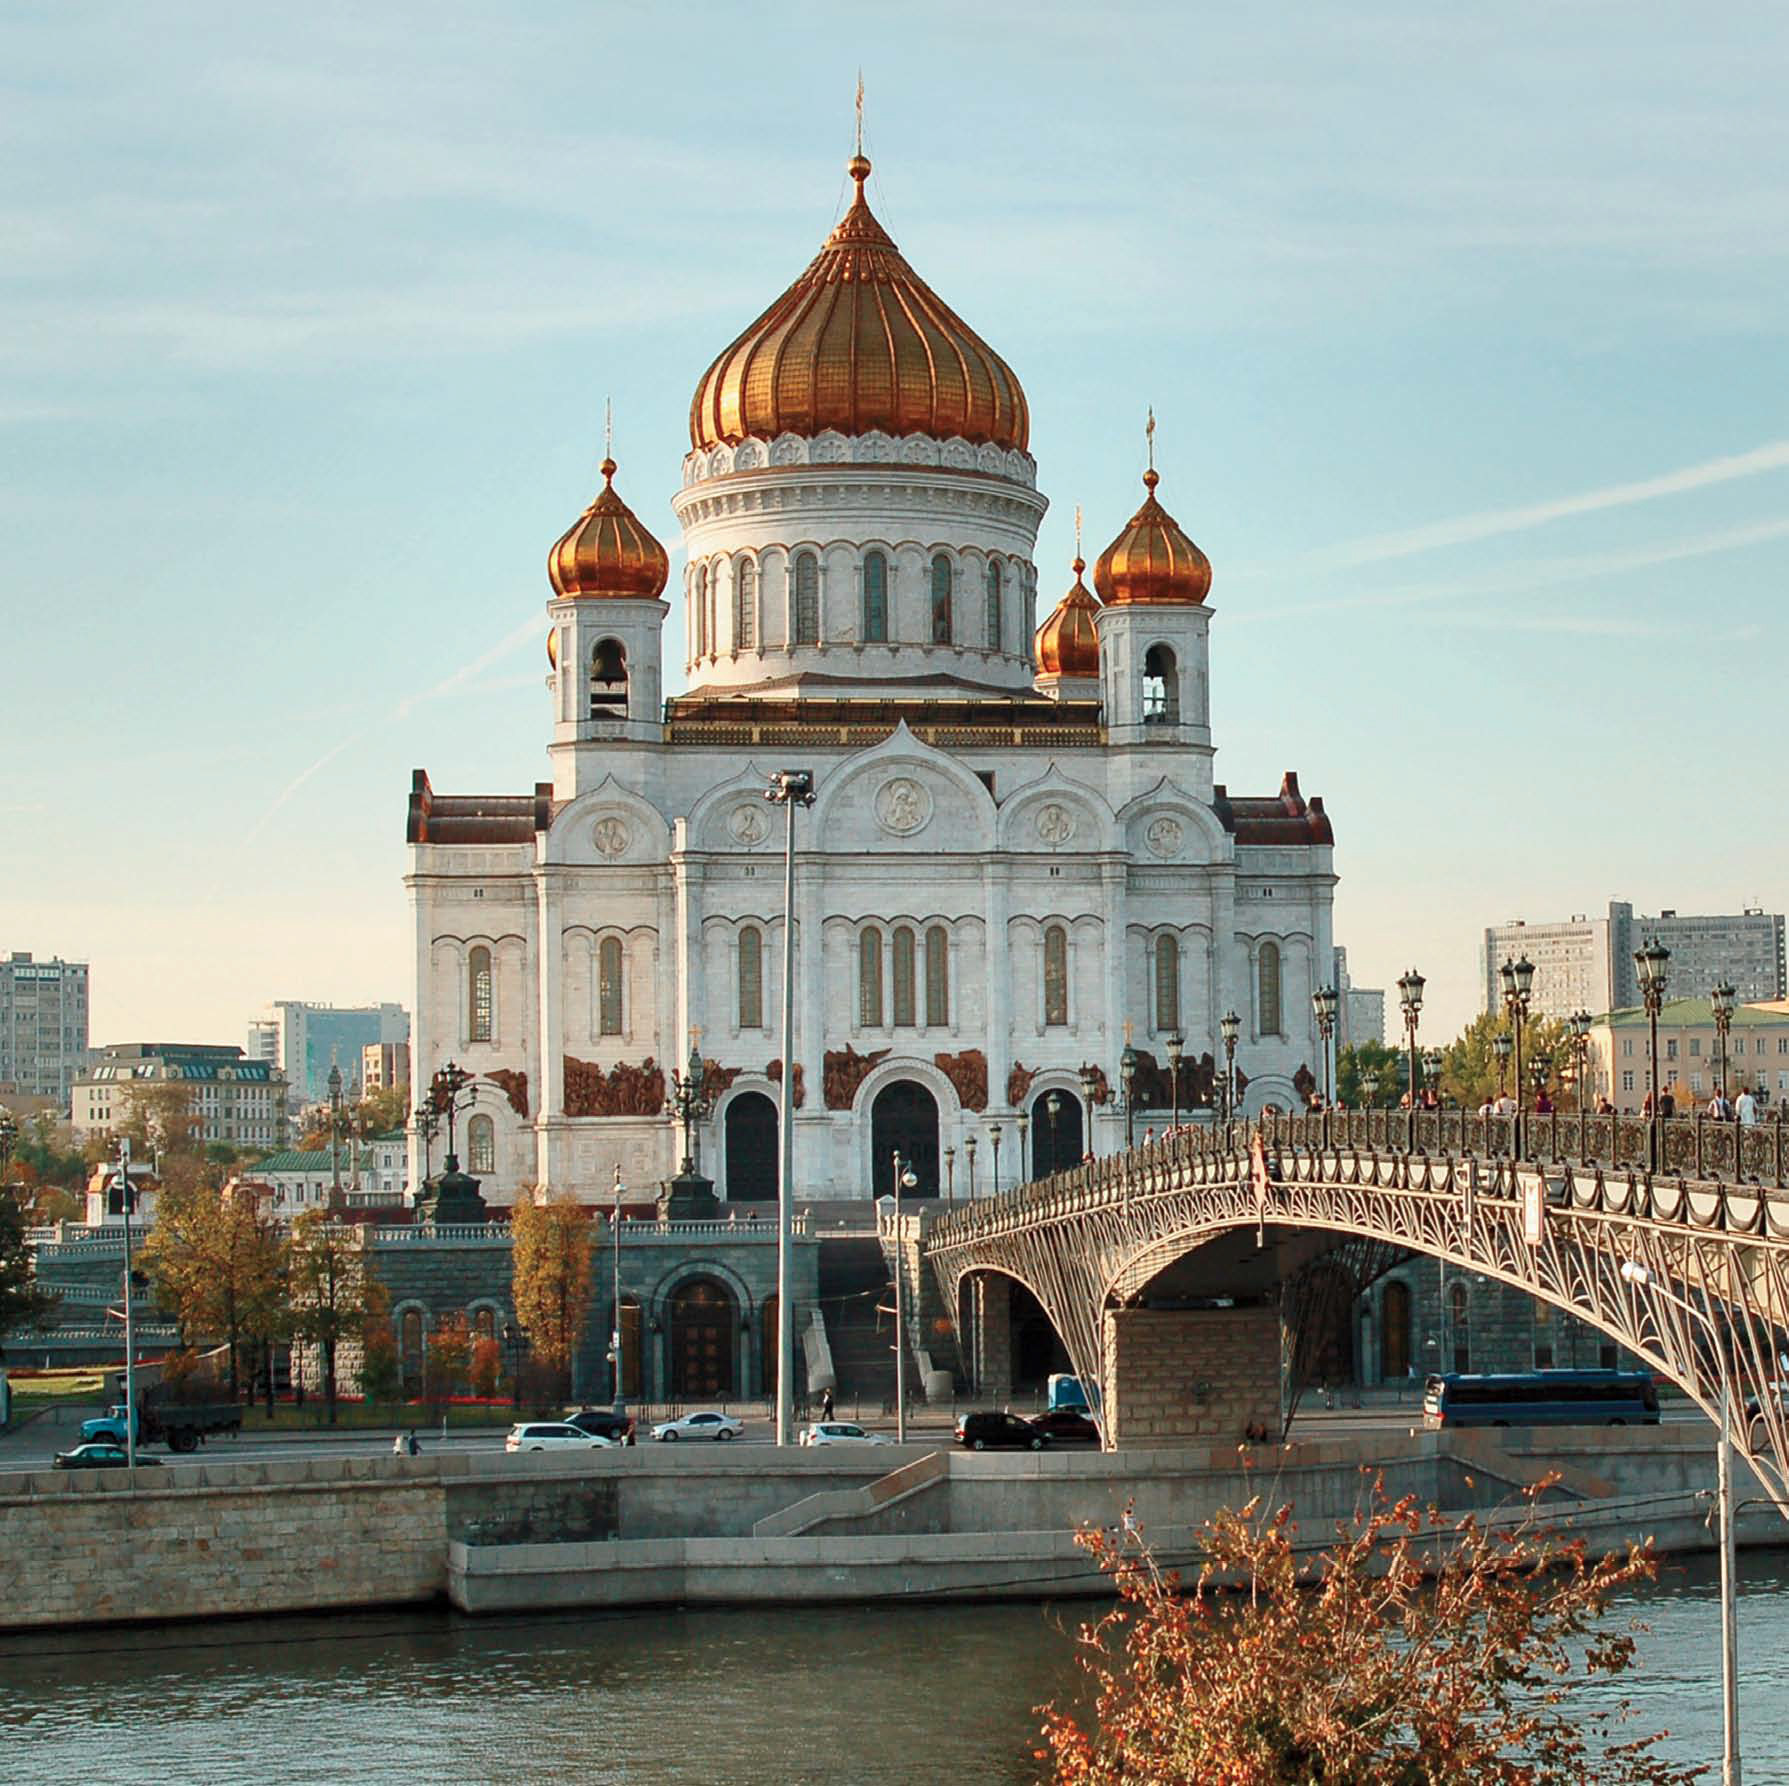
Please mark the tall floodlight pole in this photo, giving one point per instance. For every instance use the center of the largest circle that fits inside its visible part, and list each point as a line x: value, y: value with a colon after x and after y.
x: 615, y: 1337
x: 789, y: 788
x: 904, y: 1179
x: 130, y: 1333
x: 1636, y: 1273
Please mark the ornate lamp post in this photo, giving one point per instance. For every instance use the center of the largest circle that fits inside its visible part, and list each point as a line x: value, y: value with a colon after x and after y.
x: 1410, y: 1000
x: 1542, y: 1071
x: 1026, y: 1164
x: 904, y: 1179
x: 1518, y: 984
x: 1651, y: 960
x: 1089, y: 1091
x: 1501, y: 1044
x: 1176, y: 1045
x: 789, y: 788
x: 444, y: 1100
x: 1231, y: 1026
x: 1324, y: 1002
x: 1433, y: 1062
x: 688, y: 1102
x: 1723, y: 999
x: 615, y: 1336
x: 1578, y: 1027
x: 969, y: 1145
x: 994, y: 1136
x: 335, y: 1136
x: 950, y: 1173
x: 1127, y: 1077
x: 1053, y: 1109
x: 427, y: 1122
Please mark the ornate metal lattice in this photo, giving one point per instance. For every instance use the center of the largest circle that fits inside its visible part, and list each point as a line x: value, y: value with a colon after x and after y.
x: 1712, y: 1297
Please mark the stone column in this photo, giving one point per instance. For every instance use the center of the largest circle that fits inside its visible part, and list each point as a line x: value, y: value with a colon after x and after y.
x: 1178, y: 1376
x: 991, y: 1343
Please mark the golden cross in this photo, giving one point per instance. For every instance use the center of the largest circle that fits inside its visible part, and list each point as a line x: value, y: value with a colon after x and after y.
x: 1077, y: 530
x: 608, y: 427
x: 1149, y: 435
x: 860, y: 111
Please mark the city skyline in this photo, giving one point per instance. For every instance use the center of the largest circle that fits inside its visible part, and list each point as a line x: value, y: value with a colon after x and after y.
x: 1512, y: 392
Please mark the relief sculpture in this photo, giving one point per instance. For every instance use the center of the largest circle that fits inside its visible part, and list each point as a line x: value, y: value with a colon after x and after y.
x: 514, y: 1086
x: 968, y: 1074
x: 715, y: 1078
x: 846, y: 1070
x: 1018, y: 1083
x: 774, y: 1073
x: 626, y: 1091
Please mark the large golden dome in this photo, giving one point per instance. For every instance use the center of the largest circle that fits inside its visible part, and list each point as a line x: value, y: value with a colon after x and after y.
x: 859, y: 342
x: 607, y: 552
x: 1068, y: 641
x: 1152, y: 562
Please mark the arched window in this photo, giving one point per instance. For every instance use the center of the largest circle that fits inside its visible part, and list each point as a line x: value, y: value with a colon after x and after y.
x: 869, y: 979
x: 745, y: 606
x: 608, y: 679
x: 1161, y: 687
x: 941, y: 600
x: 608, y: 986
x: 807, y: 599
x: 410, y: 1349
x: 1167, y: 985
x: 903, y: 979
x: 751, y: 978
x: 875, y: 598
x: 937, y: 977
x: 1267, y: 974
x: 1055, y: 975
x: 481, y: 1001
x: 481, y: 1145
x: 484, y: 1323
x: 702, y: 612
x: 994, y: 626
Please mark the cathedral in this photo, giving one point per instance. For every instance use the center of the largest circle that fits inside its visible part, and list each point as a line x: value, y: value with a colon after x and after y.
x: 1018, y: 875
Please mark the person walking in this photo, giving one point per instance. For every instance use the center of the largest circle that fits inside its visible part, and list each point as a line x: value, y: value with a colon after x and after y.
x: 825, y: 1404
x: 1746, y: 1108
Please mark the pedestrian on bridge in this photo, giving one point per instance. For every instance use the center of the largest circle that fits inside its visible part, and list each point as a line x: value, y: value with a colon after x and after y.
x: 1746, y: 1108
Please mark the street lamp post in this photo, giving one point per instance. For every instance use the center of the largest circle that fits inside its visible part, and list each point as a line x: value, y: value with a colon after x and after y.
x: 1089, y: 1090
x: 1231, y: 1026
x: 1578, y: 1027
x: 1652, y: 959
x: 789, y: 788
x: 688, y: 1102
x: 615, y: 1336
x: 1176, y: 1044
x: 335, y: 1136
x: 904, y: 1179
x: 130, y: 1319
x: 427, y: 1122
x: 1025, y: 1161
x: 1501, y: 1044
x: 994, y: 1136
x: 1324, y: 1002
x: 1723, y: 999
x: 1410, y: 999
x: 1518, y: 985
x: 512, y: 1338
x: 1053, y: 1109
x: 1127, y: 1077
x: 950, y: 1174
x: 969, y: 1146
x: 1637, y: 1274
x: 1433, y: 1062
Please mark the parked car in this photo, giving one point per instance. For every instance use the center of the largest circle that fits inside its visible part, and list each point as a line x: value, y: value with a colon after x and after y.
x: 839, y: 1432
x: 605, y: 1423
x: 998, y: 1432
x: 706, y: 1425
x: 102, y: 1455
x: 553, y: 1435
x: 1067, y: 1426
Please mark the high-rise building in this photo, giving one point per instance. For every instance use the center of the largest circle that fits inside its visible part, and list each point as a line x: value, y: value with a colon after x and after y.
x: 1588, y: 963
x: 1360, y: 1010
x: 43, y: 1025
x: 383, y: 1065
x: 314, y: 1037
x: 264, y: 1040
x: 232, y: 1098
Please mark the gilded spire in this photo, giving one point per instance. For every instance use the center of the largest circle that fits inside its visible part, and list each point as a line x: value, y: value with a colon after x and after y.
x: 1067, y: 643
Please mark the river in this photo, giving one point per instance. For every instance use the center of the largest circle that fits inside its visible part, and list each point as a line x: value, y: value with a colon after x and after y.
x: 861, y: 1694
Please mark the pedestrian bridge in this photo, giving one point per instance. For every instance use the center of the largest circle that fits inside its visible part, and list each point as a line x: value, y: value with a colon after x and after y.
x: 1161, y: 1268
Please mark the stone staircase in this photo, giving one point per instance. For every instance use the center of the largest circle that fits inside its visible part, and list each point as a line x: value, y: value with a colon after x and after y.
x: 853, y: 1281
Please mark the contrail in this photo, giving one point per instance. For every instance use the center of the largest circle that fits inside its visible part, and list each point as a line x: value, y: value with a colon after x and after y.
x: 1463, y: 529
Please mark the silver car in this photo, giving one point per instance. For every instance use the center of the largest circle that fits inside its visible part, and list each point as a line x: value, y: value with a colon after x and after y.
x: 553, y: 1435
x: 706, y: 1425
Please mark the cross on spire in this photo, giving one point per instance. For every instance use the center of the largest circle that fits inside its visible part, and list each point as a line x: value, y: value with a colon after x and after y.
x: 1149, y: 436
x: 1077, y: 530
x: 608, y: 427
x: 860, y: 111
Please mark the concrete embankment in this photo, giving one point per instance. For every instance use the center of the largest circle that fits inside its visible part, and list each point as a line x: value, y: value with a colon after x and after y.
x: 659, y: 1525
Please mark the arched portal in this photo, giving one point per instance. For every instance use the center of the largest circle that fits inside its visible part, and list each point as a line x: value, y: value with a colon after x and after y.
x: 1394, y: 1331
x: 1037, y: 1348
x: 704, y: 1324
x: 1056, y: 1142
x: 751, y: 1149
x: 904, y: 1120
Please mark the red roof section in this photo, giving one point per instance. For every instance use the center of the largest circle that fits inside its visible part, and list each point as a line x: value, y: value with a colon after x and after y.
x: 476, y: 818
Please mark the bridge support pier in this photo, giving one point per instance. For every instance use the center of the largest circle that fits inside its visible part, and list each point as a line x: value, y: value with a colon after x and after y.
x: 992, y: 1319
x: 1179, y: 1375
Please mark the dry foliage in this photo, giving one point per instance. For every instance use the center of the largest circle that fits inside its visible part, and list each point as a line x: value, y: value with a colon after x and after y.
x: 551, y: 1286
x: 1417, y: 1650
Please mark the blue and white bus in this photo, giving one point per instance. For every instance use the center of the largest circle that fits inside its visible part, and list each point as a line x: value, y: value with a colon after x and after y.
x: 1542, y: 1398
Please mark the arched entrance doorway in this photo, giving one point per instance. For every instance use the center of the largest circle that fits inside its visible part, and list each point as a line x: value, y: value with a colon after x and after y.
x: 904, y: 1119
x: 1056, y: 1144
x: 704, y: 1324
x: 1394, y: 1331
x: 751, y: 1149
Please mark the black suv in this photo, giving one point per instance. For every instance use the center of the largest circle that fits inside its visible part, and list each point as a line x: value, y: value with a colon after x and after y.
x: 604, y: 1423
x: 998, y: 1432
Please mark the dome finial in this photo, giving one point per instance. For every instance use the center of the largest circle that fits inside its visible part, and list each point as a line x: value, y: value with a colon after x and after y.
x: 859, y: 167
x: 607, y: 468
x: 1151, y: 477
x: 1077, y: 538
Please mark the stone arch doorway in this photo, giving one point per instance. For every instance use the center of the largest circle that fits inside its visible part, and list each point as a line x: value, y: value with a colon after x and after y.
x: 751, y: 1130
x: 704, y: 1327
x: 1394, y: 1331
x: 904, y: 1119
x: 1055, y: 1146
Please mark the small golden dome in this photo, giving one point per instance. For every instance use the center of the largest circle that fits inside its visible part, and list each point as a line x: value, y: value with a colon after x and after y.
x: 553, y: 647
x: 1068, y: 641
x: 1152, y: 562
x: 859, y: 342
x: 607, y: 552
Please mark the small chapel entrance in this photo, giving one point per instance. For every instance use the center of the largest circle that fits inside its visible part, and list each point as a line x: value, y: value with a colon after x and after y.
x: 704, y: 1321
x: 751, y: 1149
x: 904, y: 1119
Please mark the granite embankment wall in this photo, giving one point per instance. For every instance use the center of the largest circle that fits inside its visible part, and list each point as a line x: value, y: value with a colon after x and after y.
x: 661, y: 1525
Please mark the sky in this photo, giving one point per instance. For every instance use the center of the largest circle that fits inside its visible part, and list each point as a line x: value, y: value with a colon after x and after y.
x: 1465, y: 330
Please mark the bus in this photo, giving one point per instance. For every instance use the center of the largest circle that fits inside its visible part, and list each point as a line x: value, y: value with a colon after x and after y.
x: 1542, y: 1398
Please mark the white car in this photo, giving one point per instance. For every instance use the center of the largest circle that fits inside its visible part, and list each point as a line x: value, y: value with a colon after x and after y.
x: 708, y: 1425
x: 840, y: 1432
x: 554, y: 1435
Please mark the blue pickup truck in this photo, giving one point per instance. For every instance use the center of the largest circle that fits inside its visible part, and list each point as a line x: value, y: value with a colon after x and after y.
x: 182, y: 1426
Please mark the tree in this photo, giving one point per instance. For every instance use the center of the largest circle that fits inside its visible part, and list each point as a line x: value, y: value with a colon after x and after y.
x: 326, y: 1286
x: 1418, y: 1650
x: 218, y: 1263
x: 486, y: 1368
x: 23, y: 1303
x: 449, y: 1356
x: 1469, y: 1069
x: 551, y: 1283
x: 159, y: 1118
x: 381, y: 1375
x: 1386, y: 1069
x: 382, y: 1110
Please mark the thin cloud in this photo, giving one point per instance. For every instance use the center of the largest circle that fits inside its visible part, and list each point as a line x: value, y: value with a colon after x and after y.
x: 1464, y: 529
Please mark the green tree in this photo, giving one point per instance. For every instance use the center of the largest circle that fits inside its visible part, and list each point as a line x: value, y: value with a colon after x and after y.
x: 160, y: 1118
x: 551, y: 1285
x: 327, y: 1286
x: 24, y: 1303
x: 1371, y: 1065
x: 1470, y: 1073
x: 1418, y: 1650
